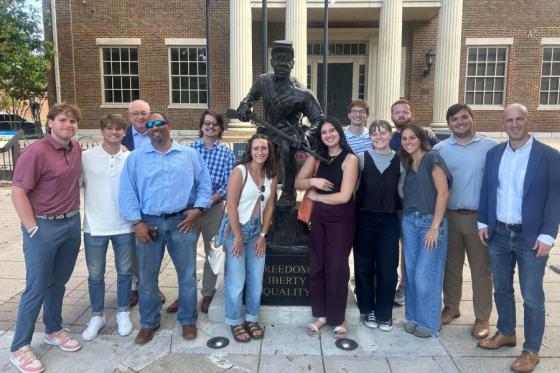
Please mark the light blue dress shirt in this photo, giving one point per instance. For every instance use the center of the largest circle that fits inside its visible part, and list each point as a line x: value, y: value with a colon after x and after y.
x: 154, y: 183
x: 140, y: 139
x: 466, y: 164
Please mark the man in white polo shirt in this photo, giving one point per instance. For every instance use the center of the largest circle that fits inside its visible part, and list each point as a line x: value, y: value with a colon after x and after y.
x: 102, y: 167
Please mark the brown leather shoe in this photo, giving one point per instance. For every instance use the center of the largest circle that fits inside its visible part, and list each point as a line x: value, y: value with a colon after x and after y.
x: 526, y: 362
x: 448, y: 314
x: 205, y: 304
x: 189, y: 331
x: 145, y: 335
x: 173, y: 306
x: 162, y: 297
x: 133, y: 298
x: 497, y: 341
x: 480, y: 329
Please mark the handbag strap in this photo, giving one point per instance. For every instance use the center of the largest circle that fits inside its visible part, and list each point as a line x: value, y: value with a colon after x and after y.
x: 316, y: 167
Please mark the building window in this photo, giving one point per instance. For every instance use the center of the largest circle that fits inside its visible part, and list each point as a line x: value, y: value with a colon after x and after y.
x: 486, y: 73
x: 188, y: 75
x: 309, y: 77
x: 121, y: 83
x: 550, y: 77
x: 362, y: 81
x: 338, y: 49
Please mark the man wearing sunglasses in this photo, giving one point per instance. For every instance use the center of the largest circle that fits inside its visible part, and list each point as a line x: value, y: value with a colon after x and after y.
x: 165, y: 187
x: 220, y: 161
x: 136, y: 136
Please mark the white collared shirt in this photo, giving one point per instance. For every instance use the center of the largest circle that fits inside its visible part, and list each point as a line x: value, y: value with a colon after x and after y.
x: 101, y: 173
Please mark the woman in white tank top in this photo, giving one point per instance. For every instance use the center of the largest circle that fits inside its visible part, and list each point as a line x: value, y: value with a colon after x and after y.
x: 251, y: 196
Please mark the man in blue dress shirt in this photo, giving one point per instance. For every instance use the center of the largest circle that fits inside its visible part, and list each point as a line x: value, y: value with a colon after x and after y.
x: 165, y: 187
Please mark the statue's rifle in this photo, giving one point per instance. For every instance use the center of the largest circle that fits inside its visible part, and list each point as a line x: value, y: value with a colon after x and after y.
x: 234, y: 114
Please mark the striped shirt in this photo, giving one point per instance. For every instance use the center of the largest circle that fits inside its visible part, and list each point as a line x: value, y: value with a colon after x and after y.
x: 220, y: 161
x: 360, y: 143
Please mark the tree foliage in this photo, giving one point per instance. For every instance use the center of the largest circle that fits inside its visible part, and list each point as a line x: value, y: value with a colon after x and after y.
x: 24, y: 56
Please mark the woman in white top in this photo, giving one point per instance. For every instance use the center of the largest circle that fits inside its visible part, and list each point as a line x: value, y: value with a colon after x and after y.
x: 251, y: 196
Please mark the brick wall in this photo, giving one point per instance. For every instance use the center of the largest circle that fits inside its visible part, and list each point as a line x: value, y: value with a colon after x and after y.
x: 152, y: 22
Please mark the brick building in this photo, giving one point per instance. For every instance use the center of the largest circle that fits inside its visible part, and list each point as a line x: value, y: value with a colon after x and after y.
x: 485, y: 53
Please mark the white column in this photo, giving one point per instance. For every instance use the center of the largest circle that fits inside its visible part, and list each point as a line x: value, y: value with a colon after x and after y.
x: 296, y: 31
x: 448, y: 60
x: 240, y: 60
x: 388, y: 81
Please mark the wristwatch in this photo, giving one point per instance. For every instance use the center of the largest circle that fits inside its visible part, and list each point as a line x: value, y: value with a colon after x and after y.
x: 264, y: 234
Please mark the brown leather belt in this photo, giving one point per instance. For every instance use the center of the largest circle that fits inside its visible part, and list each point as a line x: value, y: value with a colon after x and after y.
x: 510, y: 227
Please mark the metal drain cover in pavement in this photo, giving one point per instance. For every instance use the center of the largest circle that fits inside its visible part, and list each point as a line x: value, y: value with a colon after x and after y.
x: 346, y: 344
x: 217, y: 342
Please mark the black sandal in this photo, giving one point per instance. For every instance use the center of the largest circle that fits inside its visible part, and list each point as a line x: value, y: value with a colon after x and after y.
x: 254, y: 330
x: 240, y: 334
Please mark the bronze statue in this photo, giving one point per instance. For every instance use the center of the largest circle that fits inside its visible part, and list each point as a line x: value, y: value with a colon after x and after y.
x: 286, y: 101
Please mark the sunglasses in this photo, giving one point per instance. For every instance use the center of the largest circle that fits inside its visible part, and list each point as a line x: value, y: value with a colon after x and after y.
x: 156, y: 123
x: 261, y: 193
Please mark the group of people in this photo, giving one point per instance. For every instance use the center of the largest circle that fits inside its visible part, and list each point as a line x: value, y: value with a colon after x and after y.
x: 465, y: 195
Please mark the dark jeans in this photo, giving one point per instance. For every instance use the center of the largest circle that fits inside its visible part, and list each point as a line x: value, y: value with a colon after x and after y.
x: 332, y: 234
x: 50, y: 257
x: 376, y: 255
x: 505, y: 249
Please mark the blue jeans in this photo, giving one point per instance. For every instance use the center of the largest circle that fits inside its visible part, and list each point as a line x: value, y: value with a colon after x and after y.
x: 50, y: 257
x: 244, y: 270
x: 96, y: 252
x: 182, y: 249
x: 505, y: 249
x: 424, y: 271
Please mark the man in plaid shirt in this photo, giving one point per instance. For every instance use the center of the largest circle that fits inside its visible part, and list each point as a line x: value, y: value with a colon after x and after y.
x: 220, y: 161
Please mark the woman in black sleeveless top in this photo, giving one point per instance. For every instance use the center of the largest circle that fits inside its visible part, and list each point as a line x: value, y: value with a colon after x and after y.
x: 332, y: 226
x: 376, y: 246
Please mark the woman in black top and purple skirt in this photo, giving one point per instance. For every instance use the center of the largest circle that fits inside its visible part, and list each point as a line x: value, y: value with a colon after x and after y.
x: 332, y: 226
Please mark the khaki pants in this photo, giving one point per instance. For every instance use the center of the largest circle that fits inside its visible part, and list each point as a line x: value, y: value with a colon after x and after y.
x: 463, y: 238
x: 208, y: 225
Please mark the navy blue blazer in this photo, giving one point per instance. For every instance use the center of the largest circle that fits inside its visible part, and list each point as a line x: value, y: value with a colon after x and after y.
x: 540, y: 207
x: 128, y: 139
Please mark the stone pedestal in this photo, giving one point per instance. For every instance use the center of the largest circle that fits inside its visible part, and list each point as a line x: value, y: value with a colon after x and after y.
x: 286, y: 279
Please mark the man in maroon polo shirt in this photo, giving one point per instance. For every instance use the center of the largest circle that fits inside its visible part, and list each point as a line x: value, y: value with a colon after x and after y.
x: 46, y: 196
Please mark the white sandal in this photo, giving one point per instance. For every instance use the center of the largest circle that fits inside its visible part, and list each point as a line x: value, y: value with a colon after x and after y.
x: 340, y: 331
x: 314, y: 328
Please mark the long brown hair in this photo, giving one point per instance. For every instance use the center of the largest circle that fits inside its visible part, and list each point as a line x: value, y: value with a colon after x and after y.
x: 270, y: 165
x: 419, y: 132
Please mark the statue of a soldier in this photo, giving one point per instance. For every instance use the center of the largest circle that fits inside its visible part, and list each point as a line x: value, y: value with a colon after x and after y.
x: 286, y: 101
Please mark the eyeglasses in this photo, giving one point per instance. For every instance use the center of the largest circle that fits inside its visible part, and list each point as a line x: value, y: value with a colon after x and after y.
x: 357, y: 111
x: 261, y: 195
x: 139, y: 114
x: 156, y: 123
x: 208, y: 123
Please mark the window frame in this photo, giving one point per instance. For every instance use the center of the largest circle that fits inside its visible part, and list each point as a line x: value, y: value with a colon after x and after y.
x: 477, y: 46
x: 185, y: 43
x: 103, y: 43
x: 553, y: 43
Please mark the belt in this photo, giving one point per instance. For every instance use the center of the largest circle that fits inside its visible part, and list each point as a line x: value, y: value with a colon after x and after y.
x: 58, y: 217
x: 510, y: 227
x: 465, y: 211
x: 172, y: 214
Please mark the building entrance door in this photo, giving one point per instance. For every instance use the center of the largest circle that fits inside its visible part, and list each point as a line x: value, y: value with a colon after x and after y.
x: 339, y: 89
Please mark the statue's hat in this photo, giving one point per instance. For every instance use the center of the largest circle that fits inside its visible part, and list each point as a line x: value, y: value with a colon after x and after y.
x: 283, y: 46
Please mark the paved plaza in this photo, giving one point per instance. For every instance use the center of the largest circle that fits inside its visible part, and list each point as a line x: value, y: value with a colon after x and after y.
x: 285, y: 347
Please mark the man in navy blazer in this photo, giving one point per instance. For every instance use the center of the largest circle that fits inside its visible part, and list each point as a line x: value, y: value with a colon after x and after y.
x: 518, y: 219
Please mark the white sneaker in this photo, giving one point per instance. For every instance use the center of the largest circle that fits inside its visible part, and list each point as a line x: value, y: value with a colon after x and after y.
x: 93, y: 328
x: 124, y: 324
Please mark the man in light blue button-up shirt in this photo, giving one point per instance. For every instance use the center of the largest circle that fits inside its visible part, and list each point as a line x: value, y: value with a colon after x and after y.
x: 464, y: 153
x: 165, y: 187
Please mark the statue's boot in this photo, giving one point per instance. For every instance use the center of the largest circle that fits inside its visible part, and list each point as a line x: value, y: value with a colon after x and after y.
x: 286, y: 201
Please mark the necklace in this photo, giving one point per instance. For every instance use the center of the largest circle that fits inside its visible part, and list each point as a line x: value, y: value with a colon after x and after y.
x: 336, y: 155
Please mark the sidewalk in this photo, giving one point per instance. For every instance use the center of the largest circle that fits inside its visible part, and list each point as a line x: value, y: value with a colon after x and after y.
x: 285, y: 348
